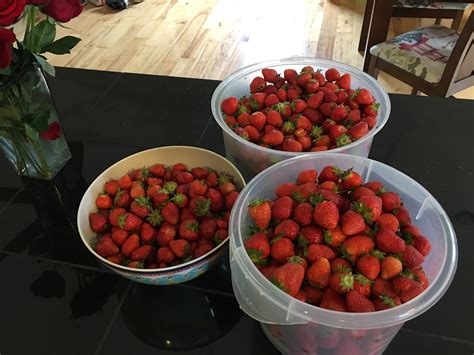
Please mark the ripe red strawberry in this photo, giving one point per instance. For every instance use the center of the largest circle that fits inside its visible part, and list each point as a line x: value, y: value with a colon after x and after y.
x: 334, y: 237
x: 287, y: 228
x: 221, y: 235
x: 270, y: 75
x: 291, y: 145
x: 137, y: 191
x: 411, y: 257
x: 243, y: 120
x: 388, y: 242
x: 422, y: 278
x: 141, y: 253
x: 114, y: 216
x: 357, y: 245
x: 389, y: 221
x: 305, y: 142
x: 383, y: 302
x: 258, y: 84
x: 274, y: 118
x: 353, y: 116
x: 282, y: 249
x: 289, y: 278
x: 336, y: 131
x: 258, y: 247
x: 370, y: 207
x: 181, y: 200
x: 147, y: 233
x: 189, y: 230
x: 390, y: 267
x: 341, y: 282
x: 116, y: 259
x: 401, y: 284
x: 141, y: 207
x: 229, y: 200
x: 229, y: 105
x: 106, y: 247
x: 216, y: 201
x: 403, y: 216
x: 165, y: 255
x: 371, y: 110
x: 303, y: 214
x: 369, y: 266
x: 257, y: 100
x: 390, y: 201
x: 362, y: 285
x: 352, y: 223
x: 375, y: 186
x: 166, y: 233
x: 359, y: 130
x: 317, y: 251
x: 332, y: 74
x: 326, y: 214
x: 129, y: 222
x: 333, y: 301
x: 268, y: 270
x: 122, y: 199
x: 382, y: 287
x: 351, y: 179
x: 364, y: 97
x: 422, y: 244
x: 411, y: 293
x: 200, y: 206
x: 290, y: 75
x: 125, y: 182
x: 285, y: 189
x: 103, y: 201
x: 111, y: 187
x: 180, y: 247
x: 98, y: 222
x: 160, y: 198
x: 340, y: 265
x: 326, y: 108
x: 119, y: 236
x: 303, y: 79
x: 273, y: 138
x: 318, y: 273
x: 198, y: 188
x: 338, y: 113
x: 207, y: 228
x: 330, y: 186
x: 170, y: 213
x: 344, y: 82
x: 282, y: 208
x: 261, y: 213
x: 329, y: 173
x: 203, y: 250
x: 258, y: 120
x: 356, y: 302
x: 313, y: 234
x: 253, y: 133
x: 315, y: 100
x: 313, y: 294
x: 303, y: 192
x: 312, y: 86
x: 132, y: 243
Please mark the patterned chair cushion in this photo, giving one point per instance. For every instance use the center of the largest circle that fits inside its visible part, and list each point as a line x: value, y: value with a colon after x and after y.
x: 423, y: 52
x: 426, y: 4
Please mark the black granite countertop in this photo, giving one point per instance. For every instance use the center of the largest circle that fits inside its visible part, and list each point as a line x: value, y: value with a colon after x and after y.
x: 56, y: 299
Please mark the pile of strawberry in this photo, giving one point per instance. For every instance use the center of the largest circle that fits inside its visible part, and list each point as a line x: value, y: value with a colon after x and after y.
x: 305, y: 111
x: 162, y: 216
x: 337, y: 243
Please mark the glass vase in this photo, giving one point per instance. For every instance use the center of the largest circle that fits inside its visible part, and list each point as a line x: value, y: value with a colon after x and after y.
x: 30, y: 132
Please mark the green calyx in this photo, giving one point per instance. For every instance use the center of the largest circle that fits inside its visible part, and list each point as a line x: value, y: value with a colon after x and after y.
x: 295, y: 260
x: 192, y: 227
x: 280, y: 107
x: 346, y: 281
x: 302, y: 242
x: 343, y: 140
x: 257, y: 202
x: 118, y: 196
x: 121, y: 221
x: 224, y: 178
x: 409, y: 274
x: 378, y: 254
x: 362, y: 279
x: 298, y: 197
x: 327, y: 236
x: 155, y: 218
x: 170, y: 186
x: 143, y: 201
x: 203, y: 207
x: 316, y: 131
x: 408, y: 237
x: 362, y: 209
x: 388, y: 301
x: 288, y: 127
x: 145, y: 172
x: 255, y: 255
x: 178, y: 198
x: 316, y: 198
x: 280, y: 285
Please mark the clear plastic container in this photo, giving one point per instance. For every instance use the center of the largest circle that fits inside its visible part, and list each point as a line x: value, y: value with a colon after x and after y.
x: 296, y: 327
x: 251, y: 158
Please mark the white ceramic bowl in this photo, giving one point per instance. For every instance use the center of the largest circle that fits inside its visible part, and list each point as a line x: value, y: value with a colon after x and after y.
x: 192, y: 157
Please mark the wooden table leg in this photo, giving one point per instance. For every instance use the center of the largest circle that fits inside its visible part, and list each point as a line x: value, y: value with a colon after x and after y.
x: 369, y: 5
x: 378, y: 30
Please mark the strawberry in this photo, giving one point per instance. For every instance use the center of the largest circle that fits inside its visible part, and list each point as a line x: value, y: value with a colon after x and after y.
x: 129, y: 221
x: 326, y: 109
x: 181, y: 200
x: 313, y: 294
x: 340, y: 265
x: 371, y: 110
x: 334, y: 237
x: 258, y: 120
x: 257, y: 100
x: 303, y: 79
x: 329, y: 173
x: 390, y: 267
x: 258, y: 247
x: 273, y: 138
x: 203, y: 250
x: 221, y: 235
x: 356, y: 302
x: 422, y: 244
x: 189, y: 230
x: 337, y: 131
x: 333, y: 301
x: 147, y: 233
x: 351, y: 179
x: 318, y: 273
x: 401, y: 284
x: 197, y: 188
x: 258, y: 84
x: 170, y: 213
x: 216, y: 200
x: 274, y: 118
x: 207, y: 228
x: 290, y: 75
x: 326, y: 214
x: 289, y: 278
x: 389, y: 221
x: 141, y: 207
x: 364, y: 97
x: 359, y: 130
x: 343, y: 140
x: 114, y: 216
x: 362, y: 285
x: 317, y: 251
x: 411, y: 257
x: 98, y: 222
x: 137, y: 191
x: 253, y: 133
x: 341, y: 282
x: 243, y: 119
x: 125, y: 182
x: 141, y: 253
x: 282, y: 208
x: 370, y: 207
x: 268, y: 271
x: 229, y: 200
x: 261, y: 213
x: 352, y: 223
x: 103, y: 201
x: 106, y: 247
x: 315, y: 100
x: 135, y: 264
x: 303, y: 192
x: 160, y: 197
x: 403, y: 216
x: 159, y: 170
x: 270, y: 75
x: 383, y: 302
x: 180, y: 247
x: 313, y: 234
x: 421, y: 277
x: 291, y: 145
x: 353, y: 116
x: 344, y: 82
x: 122, y: 199
x: 116, y: 259
x: 332, y: 74
x: 312, y: 86
x: 390, y: 201
x: 338, y: 113
x: 165, y: 255
x: 411, y: 293
x: 382, y: 287
x: 282, y: 249
x: 330, y: 186
x: 119, y: 236
x: 305, y: 142
x: 411, y: 229
x: 303, y: 214
x: 111, y: 187
x: 200, y: 206
x: 166, y: 233
x: 288, y: 229
x: 375, y: 186
x: 132, y: 243
x: 388, y: 242
x: 357, y: 245
x: 369, y: 266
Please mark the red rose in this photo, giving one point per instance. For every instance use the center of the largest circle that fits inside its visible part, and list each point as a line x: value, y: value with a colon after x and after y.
x: 37, y: 2
x: 10, y: 10
x: 63, y: 10
x: 53, y: 132
x: 7, y: 37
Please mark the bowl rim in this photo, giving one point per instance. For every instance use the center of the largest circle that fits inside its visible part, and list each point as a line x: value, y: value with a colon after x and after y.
x: 296, y: 60
x: 347, y: 320
x: 171, y: 269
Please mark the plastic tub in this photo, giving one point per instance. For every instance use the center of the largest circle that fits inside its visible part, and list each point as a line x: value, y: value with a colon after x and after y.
x: 296, y: 327
x: 251, y: 158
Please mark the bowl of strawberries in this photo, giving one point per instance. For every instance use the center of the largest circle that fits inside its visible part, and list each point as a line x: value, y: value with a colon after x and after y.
x: 332, y: 253
x: 160, y: 216
x: 275, y: 110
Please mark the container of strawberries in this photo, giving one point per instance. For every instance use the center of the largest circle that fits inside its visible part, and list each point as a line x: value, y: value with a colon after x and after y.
x: 275, y: 110
x: 332, y: 253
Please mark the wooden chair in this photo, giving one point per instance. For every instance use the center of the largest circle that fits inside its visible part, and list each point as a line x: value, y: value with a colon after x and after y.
x: 435, y: 60
x: 402, y: 8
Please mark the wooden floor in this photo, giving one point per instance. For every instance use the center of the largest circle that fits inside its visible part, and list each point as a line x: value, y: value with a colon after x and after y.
x: 212, y: 38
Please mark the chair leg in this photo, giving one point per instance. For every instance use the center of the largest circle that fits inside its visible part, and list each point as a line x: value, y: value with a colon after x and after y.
x: 438, y: 21
x: 457, y: 20
x: 414, y: 92
x: 373, y: 70
x: 365, y: 25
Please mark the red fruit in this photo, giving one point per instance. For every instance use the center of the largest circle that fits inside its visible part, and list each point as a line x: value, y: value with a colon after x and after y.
x: 282, y: 208
x: 329, y: 185
x: 411, y: 257
x: 261, y: 213
x: 129, y: 222
x: 332, y: 74
x: 362, y: 191
x: 422, y: 278
x: 334, y: 237
x: 388, y: 221
x: 132, y: 243
x: 116, y: 259
x: 333, y: 301
x: 312, y: 86
x: 189, y: 230
x: 181, y: 200
x: 164, y: 255
x: 329, y: 94
x: 411, y: 293
x: 166, y: 233
x: 289, y: 278
x: 401, y: 284
x: 270, y: 75
x: 304, y: 123
x: 274, y: 118
x: 362, y: 285
x: 258, y: 247
x: 180, y: 248
x: 344, y: 82
x: 318, y: 273
x: 114, y: 216
x: 288, y: 229
x: 125, y: 182
x: 390, y: 267
x: 358, y: 130
x: 371, y: 110
x: 257, y: 100
x: 141, y: 207
x: 422, y: 244
x: 342, y: 97
x: 106, y: 247
x: 337, y: 131
x: 285, y: 189
x: 303, y: 79
x: 123, y: 199
x: 356, y: 302
x: 253, y: 133
x: 137, y: 191
x: 200, y: 173
x: 338, y: 113
x: 119, y: 236
x: 170, y: 213
x: 200, y: 206
x: 307, y: 176
x: 326, y: 108
x: 340, y: 265
x: 216, y: 200
x: 303, y: 214
x: 370, y: 207
x: 353, y: 116
x: 298, y: 105
x: 369, y: 266
x: 411, y: 230
x: 375, y: 186
x: 382, y: 287
x: 303, y: 192
x: 313, y: 294
x: 291, y: 145
x: 273, y: 138
x: 384, y: 301
x: 305, y: 142
x: 317, y: 251
x: 390, y: 201
x: 268, y: 271
x: 258, y: 84
x: 403, y: 216
x: 313, y: 234
x: 243, y: 119
x: 282, y: 249
x: 388, y: 242
x: 329, y: 173
x: 229, y: 105
x: 111, y: 187
x: 326, y: 214
x: 290, y: 75
x: 202, y: 250
x: 352, y: 223
x: 207, y: 228
x: 197, y: 188
x: 229, y: 200
x: 221, y: 235
x: 364, y: 97
x: 222, y: 223
x: 341, y: 282
x: 135, y: 264
x: 157, y: 170
x: 141, y: 253
x: 104, y: 202
x: 351, y: 179
x: 98, y: 222
x: 315, y: 100
x: 357, y: 245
